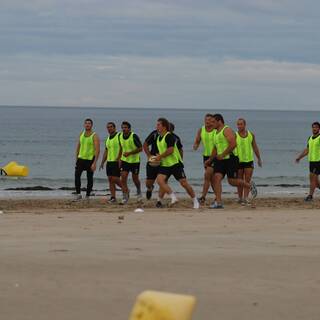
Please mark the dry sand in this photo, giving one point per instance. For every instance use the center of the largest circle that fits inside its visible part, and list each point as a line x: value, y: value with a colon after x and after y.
x: 89, y: 261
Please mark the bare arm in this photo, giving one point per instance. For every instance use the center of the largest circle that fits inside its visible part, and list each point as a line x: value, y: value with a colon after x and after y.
x: 104, y: 158
x: 302, y: 154
x: 231, y: 138
x: 197, y: 140
x: 256, y: 150
x: 181, y: 153
x: 120, y: 154
x: 78, y: 148
x: 213, y: 155
x: 96, y: 142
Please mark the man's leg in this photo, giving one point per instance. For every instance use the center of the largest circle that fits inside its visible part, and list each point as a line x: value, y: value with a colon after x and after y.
x: 137, y: 183
x: 208, y: 174
x: 77, y: 176
x: 248, y: 173
x: 150, y: 184
x: 184, y: 184
x: 240, y: 188
x: 112, y: 186
x: 124, y: 182
x: 163, y: 185
x: 117, y: 181
x: 152, y: 173
x: 218, y: 177
x: 135, y: 169
x: 235, y: 182
x: 313, y: 183
x: 89, y: 181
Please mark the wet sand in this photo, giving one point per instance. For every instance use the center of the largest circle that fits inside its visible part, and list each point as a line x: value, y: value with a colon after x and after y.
x: 62, y: 260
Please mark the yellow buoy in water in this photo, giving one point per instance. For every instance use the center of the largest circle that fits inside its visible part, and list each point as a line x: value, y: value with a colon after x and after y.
x: 13, y: 169
x: 153, y: 305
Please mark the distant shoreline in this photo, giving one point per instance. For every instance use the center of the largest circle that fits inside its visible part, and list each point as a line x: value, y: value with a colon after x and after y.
x: 276, y: 109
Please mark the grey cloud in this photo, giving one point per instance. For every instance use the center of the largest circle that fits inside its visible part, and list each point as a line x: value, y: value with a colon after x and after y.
x: 282, y: 30
x: 130, y: 81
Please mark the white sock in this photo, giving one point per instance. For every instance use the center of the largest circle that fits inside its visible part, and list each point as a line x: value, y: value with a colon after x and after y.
x: 173, y: 197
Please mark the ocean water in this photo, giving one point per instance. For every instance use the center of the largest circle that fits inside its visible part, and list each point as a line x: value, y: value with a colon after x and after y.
x: 44, y: 139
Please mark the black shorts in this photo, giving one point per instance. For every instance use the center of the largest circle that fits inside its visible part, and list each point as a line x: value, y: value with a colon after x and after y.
x: 113, y: 169
x: 205, y: 158
x: 84, y: 165
x: 315, y: 167
x: 177, y: 171
x: 130, y: 167
x: 227, y: 167
x: 152, y: 172
x: 246, y: 165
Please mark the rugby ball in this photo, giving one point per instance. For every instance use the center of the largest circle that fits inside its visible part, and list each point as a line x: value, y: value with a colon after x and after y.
x: 154, y: 162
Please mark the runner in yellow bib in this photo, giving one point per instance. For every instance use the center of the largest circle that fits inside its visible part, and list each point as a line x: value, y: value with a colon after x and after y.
x: 87, y: 154
x: 112, y: 156
x: 226, y: 163
x: 151, y: 149
x: 205, y: 135
x: 171, y: 163
x: 313, y: 152
x: 130, y: 160
x: 245, y: 150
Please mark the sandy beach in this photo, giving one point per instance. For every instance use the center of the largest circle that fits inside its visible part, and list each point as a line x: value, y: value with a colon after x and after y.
x: 61, y: 260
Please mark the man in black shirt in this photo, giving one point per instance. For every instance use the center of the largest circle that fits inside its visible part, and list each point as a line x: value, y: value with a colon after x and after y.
x: 176, y: 138
x: 150, y: 148
x: 171, y: 163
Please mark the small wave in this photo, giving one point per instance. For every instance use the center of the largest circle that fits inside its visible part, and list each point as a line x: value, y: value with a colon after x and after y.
x: 35, y: 188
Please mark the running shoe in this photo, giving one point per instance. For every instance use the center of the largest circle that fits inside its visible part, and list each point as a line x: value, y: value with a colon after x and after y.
x: 112, y: 200
x: 216, y: 205
x: 125, y: 198
x: 202, y: 199
x: 124, y: 201
x: 77, y: 197
x: 309, y: 198
x: 246, y: 202
x: 174, y: 200
x: 159, y: 204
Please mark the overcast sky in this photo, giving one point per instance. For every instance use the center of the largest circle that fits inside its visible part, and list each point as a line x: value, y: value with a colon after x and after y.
x: 252, y: 54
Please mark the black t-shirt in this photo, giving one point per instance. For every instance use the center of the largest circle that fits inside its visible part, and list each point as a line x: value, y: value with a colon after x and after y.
x: 136, y: 140
x: 151, y: 140
x: 178, y: 141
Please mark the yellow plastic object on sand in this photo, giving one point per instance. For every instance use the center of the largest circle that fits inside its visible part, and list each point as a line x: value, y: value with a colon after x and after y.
x: 13, y: 169
x: 153, y: 305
